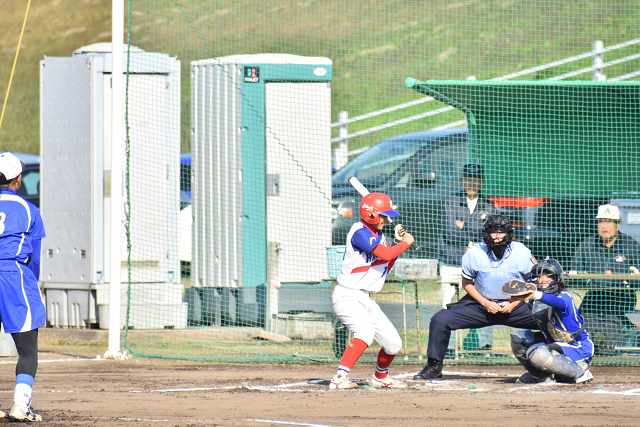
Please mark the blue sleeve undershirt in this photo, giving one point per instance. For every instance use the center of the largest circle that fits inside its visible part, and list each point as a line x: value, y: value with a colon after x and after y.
x: 554, y: 301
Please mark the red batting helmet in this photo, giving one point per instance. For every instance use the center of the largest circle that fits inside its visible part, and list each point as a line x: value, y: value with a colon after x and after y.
x: 375, y: 204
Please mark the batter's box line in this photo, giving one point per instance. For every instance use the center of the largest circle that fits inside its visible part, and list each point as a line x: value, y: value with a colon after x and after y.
x: 292, y: 423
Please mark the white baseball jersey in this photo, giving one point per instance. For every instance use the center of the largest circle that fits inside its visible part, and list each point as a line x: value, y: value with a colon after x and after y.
x: 360, y: 268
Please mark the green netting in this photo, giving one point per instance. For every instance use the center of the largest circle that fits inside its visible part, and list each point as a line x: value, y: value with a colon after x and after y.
x: 247, y: 120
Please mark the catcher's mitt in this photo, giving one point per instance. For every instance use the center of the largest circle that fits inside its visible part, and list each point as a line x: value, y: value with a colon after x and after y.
x: 520, y: 289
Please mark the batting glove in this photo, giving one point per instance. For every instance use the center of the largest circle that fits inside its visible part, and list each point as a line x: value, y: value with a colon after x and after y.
x: 399, y: 232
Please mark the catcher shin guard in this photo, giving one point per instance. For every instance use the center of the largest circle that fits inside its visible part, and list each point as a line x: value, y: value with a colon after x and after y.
x: 551, y: 362
x: 521, y: 340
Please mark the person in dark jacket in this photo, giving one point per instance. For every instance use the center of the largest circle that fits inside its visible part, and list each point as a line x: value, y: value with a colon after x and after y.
x: 610, y: 252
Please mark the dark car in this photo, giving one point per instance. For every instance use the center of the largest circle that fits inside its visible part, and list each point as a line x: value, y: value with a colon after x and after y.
x: 417, y: 171
x: 420, y: 170
x: 551, y: 227
x: 30, y: 189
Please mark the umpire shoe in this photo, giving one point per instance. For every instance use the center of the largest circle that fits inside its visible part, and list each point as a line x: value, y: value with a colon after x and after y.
x: 432, y: 371
x: 23, y: 413
x: 387, y: 382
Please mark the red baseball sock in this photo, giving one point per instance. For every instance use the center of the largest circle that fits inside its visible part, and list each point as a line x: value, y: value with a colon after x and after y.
x: 384, y: 361
x: 352, y: 353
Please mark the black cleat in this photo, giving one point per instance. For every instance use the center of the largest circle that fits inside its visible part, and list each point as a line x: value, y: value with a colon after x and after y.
x: 529, y: 378
x: 432, y: 371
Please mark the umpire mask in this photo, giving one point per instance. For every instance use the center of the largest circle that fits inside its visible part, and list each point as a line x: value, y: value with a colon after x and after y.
x: 497, y: 224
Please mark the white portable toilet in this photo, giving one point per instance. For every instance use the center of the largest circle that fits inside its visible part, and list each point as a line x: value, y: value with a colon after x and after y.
x: 261, y: 159
x: 75, y: 148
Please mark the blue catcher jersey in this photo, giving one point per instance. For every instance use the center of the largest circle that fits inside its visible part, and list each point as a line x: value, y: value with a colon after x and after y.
x: 566, y: 317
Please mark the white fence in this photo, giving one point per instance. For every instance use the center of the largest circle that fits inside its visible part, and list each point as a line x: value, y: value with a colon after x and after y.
x: 341, y: 152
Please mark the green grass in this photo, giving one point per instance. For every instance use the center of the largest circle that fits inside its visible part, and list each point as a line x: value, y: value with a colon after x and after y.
x: 374, y: 45
x: 54, y: 28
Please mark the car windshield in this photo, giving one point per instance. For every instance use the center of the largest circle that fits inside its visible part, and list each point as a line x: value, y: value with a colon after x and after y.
x: 375, y: 165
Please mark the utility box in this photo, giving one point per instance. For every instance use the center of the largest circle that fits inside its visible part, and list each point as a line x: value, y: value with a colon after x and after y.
x: 261, y: 159
x: 75, y: 148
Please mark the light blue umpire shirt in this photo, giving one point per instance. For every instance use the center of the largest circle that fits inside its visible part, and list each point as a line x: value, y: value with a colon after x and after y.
x: 489, y: 274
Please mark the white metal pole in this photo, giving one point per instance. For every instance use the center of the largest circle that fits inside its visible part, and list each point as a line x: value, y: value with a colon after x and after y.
x: 117, y: 154
x: 341, y: 152
x: 597, y: 75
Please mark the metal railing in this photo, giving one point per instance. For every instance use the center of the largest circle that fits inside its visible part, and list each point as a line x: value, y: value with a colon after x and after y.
x: 341, y: 153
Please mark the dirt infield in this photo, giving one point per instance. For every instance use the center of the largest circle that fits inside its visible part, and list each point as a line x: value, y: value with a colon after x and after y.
x: 75, y: 391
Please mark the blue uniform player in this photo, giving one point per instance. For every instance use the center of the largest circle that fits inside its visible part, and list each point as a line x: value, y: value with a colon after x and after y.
x: 485, y: 268
x: 563, y: 348
x: 21, y: 307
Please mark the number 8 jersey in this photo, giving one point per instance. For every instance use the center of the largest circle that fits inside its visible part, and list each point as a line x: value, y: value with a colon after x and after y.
x: 21, y: 229
x: 20, y: 224
x: 360, y: 268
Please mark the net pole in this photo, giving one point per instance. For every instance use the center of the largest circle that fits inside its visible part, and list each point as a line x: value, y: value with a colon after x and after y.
x: 117, y: 152
x: 15, y: 61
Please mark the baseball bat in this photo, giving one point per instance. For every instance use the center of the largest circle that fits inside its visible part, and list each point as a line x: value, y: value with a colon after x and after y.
x: 362, y: 190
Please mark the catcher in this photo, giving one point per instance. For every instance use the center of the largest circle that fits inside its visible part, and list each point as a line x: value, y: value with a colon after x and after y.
x: 563, y: 347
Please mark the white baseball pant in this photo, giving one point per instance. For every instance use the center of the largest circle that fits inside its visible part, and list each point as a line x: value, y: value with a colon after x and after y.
x: 363, y: 316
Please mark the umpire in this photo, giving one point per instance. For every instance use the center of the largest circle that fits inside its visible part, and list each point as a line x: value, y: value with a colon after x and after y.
x: 21, y: 306
x: 485, y: 268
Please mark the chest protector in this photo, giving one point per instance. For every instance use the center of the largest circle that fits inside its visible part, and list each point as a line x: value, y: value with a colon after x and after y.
x: 542, y: 313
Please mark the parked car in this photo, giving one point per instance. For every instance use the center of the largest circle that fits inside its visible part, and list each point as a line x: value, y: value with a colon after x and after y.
x: 420, y: 170
x: 185, y: 180
x: 417, y: 171
x: 185, y: 217
x: 552, y: 227
x: 30, y: 189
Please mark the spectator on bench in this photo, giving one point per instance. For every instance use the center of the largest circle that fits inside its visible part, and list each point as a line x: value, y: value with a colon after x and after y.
x: 610, y: 252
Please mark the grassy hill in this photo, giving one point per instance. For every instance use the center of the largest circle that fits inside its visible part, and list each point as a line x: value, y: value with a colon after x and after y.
x: 374, y: 45
x: 54, y: 28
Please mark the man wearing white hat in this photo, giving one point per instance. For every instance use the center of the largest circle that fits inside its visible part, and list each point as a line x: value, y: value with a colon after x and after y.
x: 611, y: 252
x: 21, y: 306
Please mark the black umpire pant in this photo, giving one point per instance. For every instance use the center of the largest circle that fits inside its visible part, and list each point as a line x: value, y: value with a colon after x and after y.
x: 469, y: 313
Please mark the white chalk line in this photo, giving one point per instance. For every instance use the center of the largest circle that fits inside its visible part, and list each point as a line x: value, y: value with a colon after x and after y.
x: 52, y: 360
x: 281, y: 387
x: 293, y: 423
x: 132, y: 419
x: 444, y: 385
x: 632, y: 392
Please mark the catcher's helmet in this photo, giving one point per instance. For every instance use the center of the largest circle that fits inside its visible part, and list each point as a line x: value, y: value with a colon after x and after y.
x: 375, y: 204
x: 497, y: 223
x: 550, y: 267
